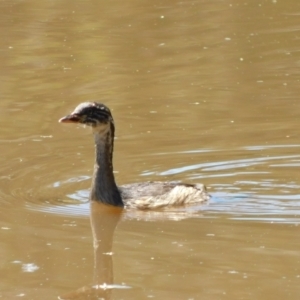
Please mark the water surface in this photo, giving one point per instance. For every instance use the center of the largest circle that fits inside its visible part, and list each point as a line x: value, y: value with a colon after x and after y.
x: 201, y: 91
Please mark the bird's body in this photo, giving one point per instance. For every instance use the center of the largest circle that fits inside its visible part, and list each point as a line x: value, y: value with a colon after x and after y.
x: 158, y: 194
x: 146, y: 195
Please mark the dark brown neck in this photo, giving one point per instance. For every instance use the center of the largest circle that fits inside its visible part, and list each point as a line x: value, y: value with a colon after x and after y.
x: 104, y: 188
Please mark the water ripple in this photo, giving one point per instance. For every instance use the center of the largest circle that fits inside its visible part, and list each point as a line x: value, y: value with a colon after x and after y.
x: 263, y: 186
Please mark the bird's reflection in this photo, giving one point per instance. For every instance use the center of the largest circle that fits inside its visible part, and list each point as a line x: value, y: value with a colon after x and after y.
x: 104, y: 219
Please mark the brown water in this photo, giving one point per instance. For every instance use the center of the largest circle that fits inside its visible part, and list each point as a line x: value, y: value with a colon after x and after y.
x: 201, y: 91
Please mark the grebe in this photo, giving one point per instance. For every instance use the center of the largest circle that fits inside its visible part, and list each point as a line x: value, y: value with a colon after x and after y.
x: 145, y: 195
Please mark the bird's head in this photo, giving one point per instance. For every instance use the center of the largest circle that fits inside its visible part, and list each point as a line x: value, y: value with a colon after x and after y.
x: 93, y: 114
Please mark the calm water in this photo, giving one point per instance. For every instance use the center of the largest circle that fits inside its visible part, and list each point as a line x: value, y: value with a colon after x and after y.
x: 201, y: 91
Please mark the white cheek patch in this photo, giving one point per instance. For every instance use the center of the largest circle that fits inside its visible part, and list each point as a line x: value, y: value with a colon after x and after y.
x: 101, y: 128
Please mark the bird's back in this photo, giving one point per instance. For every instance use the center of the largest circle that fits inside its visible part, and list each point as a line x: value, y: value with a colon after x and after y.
x: 157, y: 194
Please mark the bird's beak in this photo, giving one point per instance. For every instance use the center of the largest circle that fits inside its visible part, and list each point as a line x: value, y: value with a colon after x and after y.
x: 72, y: 118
